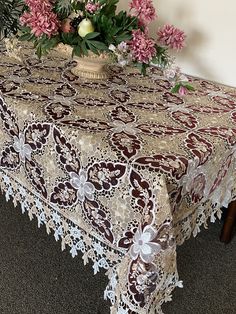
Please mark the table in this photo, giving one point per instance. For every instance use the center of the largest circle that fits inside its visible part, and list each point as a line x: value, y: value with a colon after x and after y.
x: 121, y: 169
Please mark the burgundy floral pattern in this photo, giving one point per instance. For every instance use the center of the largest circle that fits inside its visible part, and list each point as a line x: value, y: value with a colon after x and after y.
x: 104, y: 176
x: 98, y: 217
x: 57, y: 110
x: 174, y: 165
x: 171, y: 98
x: 197, y: 188
x: 18, y: 153
x: 199, y: 146
x: 221, y: 173
x: 143, y: 275
x: 127, y: 144
x: 117, y: 168
x: 228, y: 134
x: 64, y: 195
x: 142, y: 193
x: 186, y: 119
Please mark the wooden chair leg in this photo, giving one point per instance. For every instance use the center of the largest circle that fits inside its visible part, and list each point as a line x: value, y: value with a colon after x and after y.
x: 230, y: 221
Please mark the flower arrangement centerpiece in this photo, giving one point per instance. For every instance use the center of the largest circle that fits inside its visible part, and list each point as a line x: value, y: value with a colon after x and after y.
x: 95, y: 27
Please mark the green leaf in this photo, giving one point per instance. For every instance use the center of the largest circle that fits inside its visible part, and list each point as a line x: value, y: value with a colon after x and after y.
x: 84, y: 48
x: 144, y: 69
x: 92, y: 48
x: 39, y: 51
x: 44, y: 44
x: 176, y: 88
x: 77, y: 51
x: 63, y: 8
x: 25, y: 29
x: 53, y: 42
x: 109, y: 8
x: 162, y: 57
x: 99, y: 45
x: 91, y: 35
x: 70, y: 38
x: 114, y: 30
x: 123, y: 37
x: 78, y: 6
x: 189, y: 87
x: 25, y: 37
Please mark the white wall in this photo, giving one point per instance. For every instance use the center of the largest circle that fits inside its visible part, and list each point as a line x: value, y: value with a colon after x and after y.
x: 210, y: 26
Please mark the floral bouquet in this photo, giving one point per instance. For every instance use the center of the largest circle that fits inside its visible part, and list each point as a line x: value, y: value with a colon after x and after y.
x: 95, y: 26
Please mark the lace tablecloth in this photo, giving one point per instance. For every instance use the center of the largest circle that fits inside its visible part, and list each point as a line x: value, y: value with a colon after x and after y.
x: 121, y: 170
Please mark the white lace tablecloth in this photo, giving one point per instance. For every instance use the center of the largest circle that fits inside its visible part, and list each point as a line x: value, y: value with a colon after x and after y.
x: 121, y: 170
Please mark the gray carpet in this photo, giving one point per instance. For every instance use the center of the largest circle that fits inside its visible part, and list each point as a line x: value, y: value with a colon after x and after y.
x: 36, y: 277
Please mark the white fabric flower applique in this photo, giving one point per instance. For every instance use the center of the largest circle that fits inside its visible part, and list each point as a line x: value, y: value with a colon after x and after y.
x: 143, y: 245
x: 22, y: 148
x: 83, y: 187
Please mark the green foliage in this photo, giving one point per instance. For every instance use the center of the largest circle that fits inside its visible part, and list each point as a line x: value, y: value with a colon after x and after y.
x: 69, y: 38
x: 43, y: 44
x: 10, y: 10
x: 109, y: 8
x: 114, y: 29
x: 176, y: 88
x: 88, y: 43
x: 63, y: 7
x: 162, y: 57
x: 78, y: 6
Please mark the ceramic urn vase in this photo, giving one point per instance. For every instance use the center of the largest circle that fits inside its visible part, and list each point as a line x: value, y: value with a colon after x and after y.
x: 92, y: 66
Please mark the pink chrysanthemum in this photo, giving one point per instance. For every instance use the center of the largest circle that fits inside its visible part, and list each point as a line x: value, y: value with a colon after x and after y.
x: 40, y: 18
x: 142, y: 47
x: 143, y: 10
x: 38, y: 5
x: 171, y: 36
x: 92, y: 7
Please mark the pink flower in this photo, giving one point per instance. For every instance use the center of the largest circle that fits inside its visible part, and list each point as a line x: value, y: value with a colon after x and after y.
x: 171, y: 36
x: 183, y: 90
x: 142, y: 48
x: 38, y: 5
x: 92, y: 7
x: 41, y: 19
x: 144, y: 10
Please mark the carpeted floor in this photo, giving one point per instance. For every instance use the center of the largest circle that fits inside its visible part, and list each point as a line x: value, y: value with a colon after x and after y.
x: 36, y: 277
